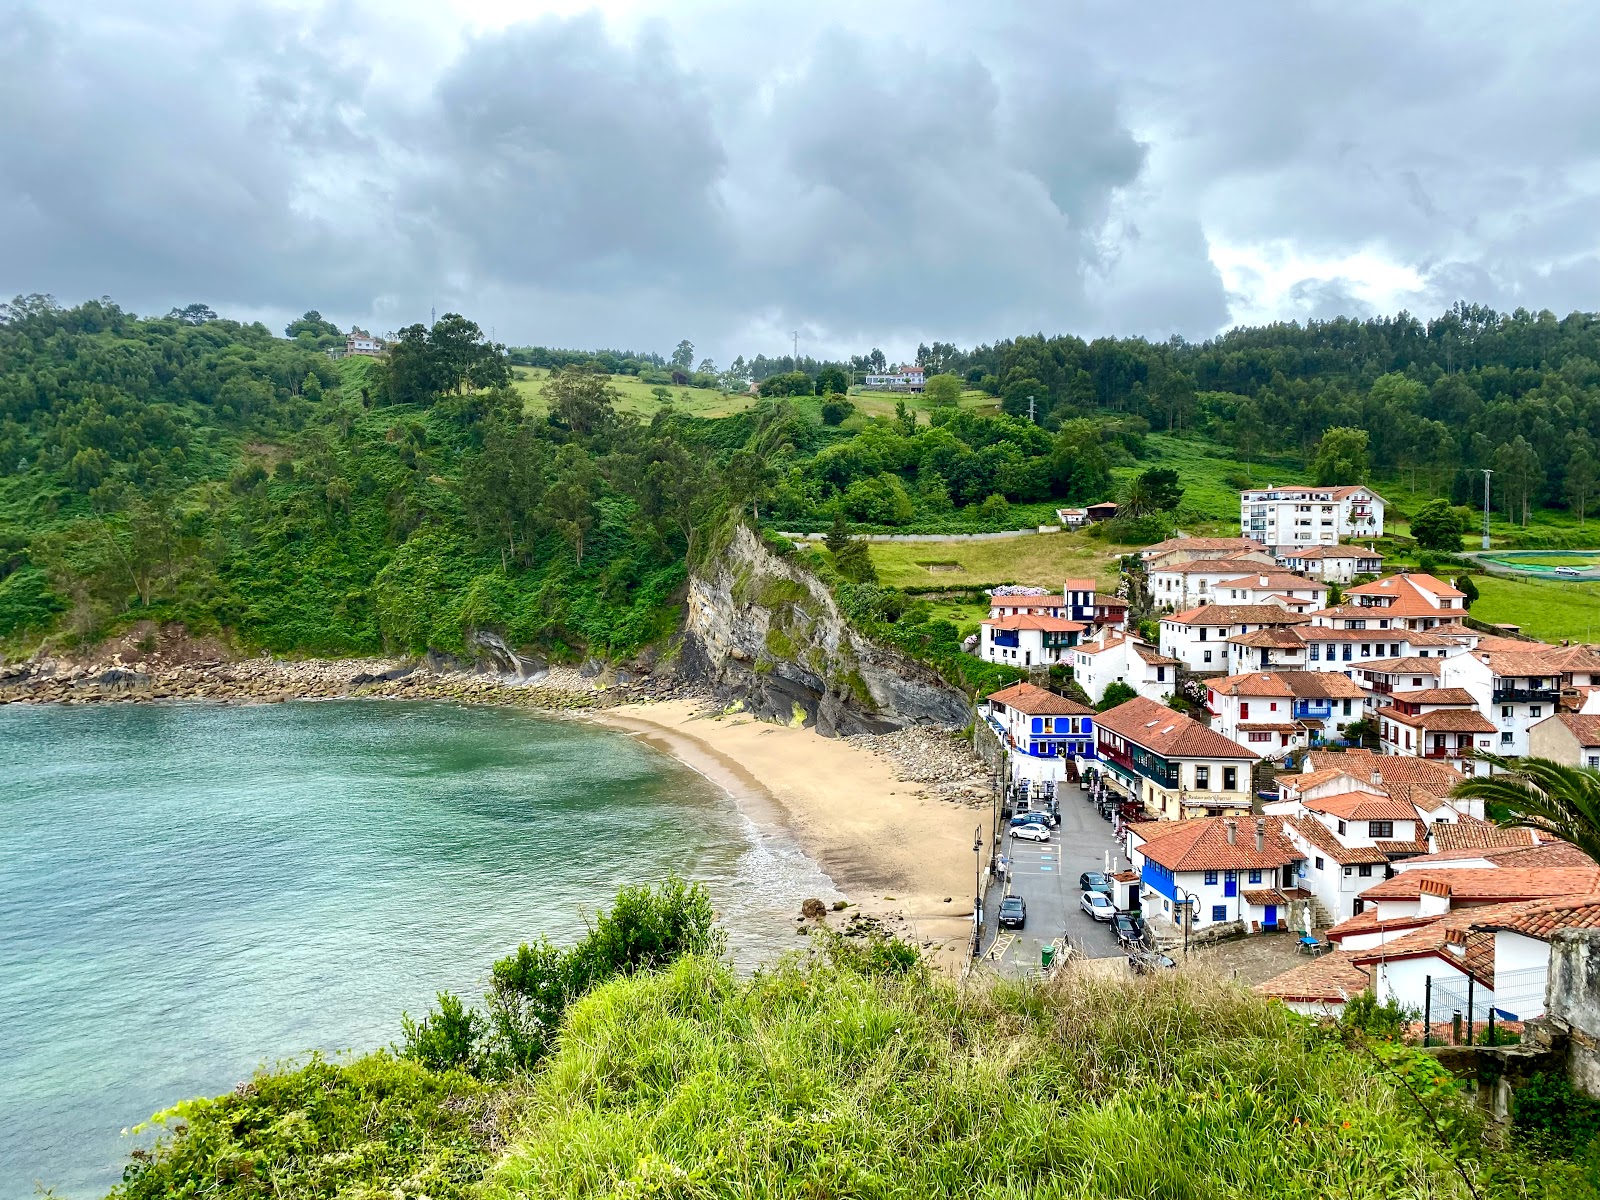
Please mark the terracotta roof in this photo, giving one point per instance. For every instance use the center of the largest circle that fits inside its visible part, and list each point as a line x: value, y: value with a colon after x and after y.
x: 1253, y: 683
x: 1379, y: 637
x: 1025, y: 697
x: 1500, y: 883
x: 1334, y: 552
x: 1575, y: 658
x: 1333, y: 978
x: 1545, y: 855
x: 1270, y: 726
x: 1510, y: 645
x: 1402, y: 849
x: 1433, y: 941
x: 1202, y: 845
x: 1201, y: 543
x: 1542, y: 919
x: 1170, y: 734
x: 1430, y: 637
x: 1287, y: 638
x: 1078, y: 585
x: 1399, y: 585
x: 1310, y: 779
x: 1210, y: 566
x: 1274, y: 580
x: 1320, y: 836
x: 1436, y: 696
x: 1366, y: 921
x: 1310, y: 489
x: 1236, y: 614
x: 1585, y: 728
x: 1469, y: 833
x: 1512, y: 664
x: 1152, y: 656
x: 1409, y: 665
x: 1391, y: 767
x: 1034, y: 621
x: 1444, y: 720
x: 1363, y: 806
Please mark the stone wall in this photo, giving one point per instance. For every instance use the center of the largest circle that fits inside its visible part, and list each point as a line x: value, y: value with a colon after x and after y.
x: 1572, y: 1002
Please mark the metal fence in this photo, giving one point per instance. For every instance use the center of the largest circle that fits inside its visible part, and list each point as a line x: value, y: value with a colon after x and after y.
x: 1457, y: 1011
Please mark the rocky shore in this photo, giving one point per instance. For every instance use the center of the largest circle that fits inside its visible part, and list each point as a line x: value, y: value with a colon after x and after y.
x: 270, y: 681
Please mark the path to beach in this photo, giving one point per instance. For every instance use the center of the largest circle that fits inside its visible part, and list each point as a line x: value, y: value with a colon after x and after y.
x: 887, y: 847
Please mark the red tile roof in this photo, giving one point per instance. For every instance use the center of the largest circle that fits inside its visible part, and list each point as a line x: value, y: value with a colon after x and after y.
x: 1363, y: 806
x: 1542, y: 919
x: 1322, y: 838
x: 1333, y: 552
x: 1274, y: 580
x: 1367, y: 921
x: 1032, y: 621
x: 1170, y: 734
x: 1331, y: 979
x: 1405, y: 665
x: 1471, y: 833
x: 1391, y: 767
x: 1286, y: 638
x: 1202, y: 845
x: 1399, y: 585
x: 1436, y: 696
x: 1433, y: 941
x: 1236, y: 614
x: 1585, y: 728
x: 1078, y: 585
x: 1499, y: 883
x: 1443, y: 720
x: 1035, y: 701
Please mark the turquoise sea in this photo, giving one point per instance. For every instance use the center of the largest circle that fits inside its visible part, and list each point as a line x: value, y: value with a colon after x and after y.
x: 189, y: 891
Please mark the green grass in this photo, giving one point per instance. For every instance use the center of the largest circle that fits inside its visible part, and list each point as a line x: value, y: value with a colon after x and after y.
x: 1545, y: 558
x: 1546, y: 609
x: 1045, y: 560
x: 637, y: 397
x: 1210, y: 503
x: 882, y: 404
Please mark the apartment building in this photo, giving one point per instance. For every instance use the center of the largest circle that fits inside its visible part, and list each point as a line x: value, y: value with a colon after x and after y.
x: 1290, y: 518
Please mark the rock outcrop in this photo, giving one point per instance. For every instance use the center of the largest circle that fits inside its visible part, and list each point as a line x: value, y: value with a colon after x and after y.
x: 767, y: 634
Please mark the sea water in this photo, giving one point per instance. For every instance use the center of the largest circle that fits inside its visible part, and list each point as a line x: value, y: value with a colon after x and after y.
x: 190, y: 891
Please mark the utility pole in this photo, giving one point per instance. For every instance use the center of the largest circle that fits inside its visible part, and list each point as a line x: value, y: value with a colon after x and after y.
x: 1030, y: 410
x: 1486, y: 474
x: 796, y: 349
x: 433, y: 317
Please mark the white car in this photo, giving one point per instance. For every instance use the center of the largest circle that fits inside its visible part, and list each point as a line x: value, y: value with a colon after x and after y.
x: 1098, y: 905
x: 1032, y: 833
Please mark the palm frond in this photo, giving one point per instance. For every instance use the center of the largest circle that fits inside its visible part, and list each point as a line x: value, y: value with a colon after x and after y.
x: 1540, y: 794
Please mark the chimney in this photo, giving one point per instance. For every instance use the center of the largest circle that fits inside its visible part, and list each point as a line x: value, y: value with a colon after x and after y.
x: 1232, y: 828
x: 1261, y: 835
x: 1263, y: 581
x: 1377, y: 778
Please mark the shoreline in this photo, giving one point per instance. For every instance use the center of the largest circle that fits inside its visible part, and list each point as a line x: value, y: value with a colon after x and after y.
x: 899, y: 856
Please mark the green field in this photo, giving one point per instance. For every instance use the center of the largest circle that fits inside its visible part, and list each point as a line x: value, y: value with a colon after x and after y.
x: 882, y: 404
x: 1044, y: 560
x: 1210, y: 503
x: 1545, y: 559
x: 1544, y: 609
x: 638, y: 397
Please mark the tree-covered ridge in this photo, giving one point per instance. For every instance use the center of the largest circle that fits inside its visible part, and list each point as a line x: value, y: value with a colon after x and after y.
x: 207, y: 472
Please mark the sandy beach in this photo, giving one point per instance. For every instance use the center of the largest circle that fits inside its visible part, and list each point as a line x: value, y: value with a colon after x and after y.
x: 891, y: 850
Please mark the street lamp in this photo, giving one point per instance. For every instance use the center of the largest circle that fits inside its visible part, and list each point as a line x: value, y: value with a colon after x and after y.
x: 1188, y: 915
x: 977, y: 893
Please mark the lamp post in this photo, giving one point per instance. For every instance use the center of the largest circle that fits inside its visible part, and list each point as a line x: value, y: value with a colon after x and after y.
x: 977, y: 895
x: 1486, y: 474
x: 1188, y: 915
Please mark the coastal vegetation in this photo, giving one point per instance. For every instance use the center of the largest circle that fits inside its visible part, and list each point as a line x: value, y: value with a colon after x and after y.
x: 851, y: 1070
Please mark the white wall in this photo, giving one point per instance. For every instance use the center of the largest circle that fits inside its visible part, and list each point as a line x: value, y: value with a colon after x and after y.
x: 1521, y: 970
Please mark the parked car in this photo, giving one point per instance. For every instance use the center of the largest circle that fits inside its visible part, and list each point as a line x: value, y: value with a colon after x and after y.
x: 1095, y: 881
x: 1567, y: 572
x: 1147, y: 962
x: 1033, y: 818
x: 1129, y: 928
x: 1032, y: 833
x: 1098, y: 905
x: 1013, y: 913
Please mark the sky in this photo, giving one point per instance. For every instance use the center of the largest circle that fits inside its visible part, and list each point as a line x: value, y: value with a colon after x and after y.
x: 634, y: 172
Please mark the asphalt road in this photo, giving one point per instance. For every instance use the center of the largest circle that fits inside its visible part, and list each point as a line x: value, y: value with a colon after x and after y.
x: 1045, y: 875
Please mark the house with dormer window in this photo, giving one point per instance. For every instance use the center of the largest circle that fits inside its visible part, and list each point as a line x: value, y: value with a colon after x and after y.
x: 1042, y: 732
x: 1171, y: 763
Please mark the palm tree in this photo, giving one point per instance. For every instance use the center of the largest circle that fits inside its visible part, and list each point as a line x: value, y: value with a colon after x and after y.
x: 1537, y: 793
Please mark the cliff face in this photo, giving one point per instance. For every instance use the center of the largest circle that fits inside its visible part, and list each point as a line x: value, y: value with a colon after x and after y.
x: 769, y: 634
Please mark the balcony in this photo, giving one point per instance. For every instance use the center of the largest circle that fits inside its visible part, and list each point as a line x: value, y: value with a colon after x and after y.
x: 1515, y: 695
x: 1162, y: 775
x: 1447, y: 752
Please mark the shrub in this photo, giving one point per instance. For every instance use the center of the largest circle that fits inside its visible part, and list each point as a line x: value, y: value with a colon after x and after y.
x: 1116, y: 693
x: 1550, y: 1110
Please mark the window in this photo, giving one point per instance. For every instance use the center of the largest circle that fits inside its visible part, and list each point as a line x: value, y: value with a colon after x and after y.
x: 1380, y: 829
x: 1535, y: 709
x: 1211, y: 878
x: 1366, y: 649
x: 1365, y: 870
x: 1255, y: 874
x: 1415, y: 682
x: 1202, y: 633
x: 1315, y: 648
x: 1208, y: 656
x: 1347, y: 872
x: 1506, y: 712
x: 1594, y: 762
x: 1161, y: 674
x: 1347, y: 708
x: 1257, y: 736
x: 1341, y: 827
x: 1219, y: 912
x: 1244, y: 710
x: 1038, y: 724
x: 1505, y: 739
x: 1202, y: 778
x: 1230, y: 777
x: 1319, y: 862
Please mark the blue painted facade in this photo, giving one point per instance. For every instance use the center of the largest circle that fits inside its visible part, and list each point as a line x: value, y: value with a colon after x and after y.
x: 1058, y: 737
x: 1156, y: 877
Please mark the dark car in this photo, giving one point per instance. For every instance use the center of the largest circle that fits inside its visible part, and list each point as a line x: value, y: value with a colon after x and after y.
x: 1094, y: 881
x: 1013, y: 913
x: 1033, y: 818
x: 1129, y: 928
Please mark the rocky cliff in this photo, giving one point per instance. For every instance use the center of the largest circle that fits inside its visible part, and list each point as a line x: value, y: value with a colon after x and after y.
x: 767, y: 633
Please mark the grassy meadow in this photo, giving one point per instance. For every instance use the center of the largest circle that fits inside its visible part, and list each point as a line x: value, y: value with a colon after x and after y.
x: 882, y: 404
x: 637, y: 397
x: 1044, y: 559
x: 1546, y: 609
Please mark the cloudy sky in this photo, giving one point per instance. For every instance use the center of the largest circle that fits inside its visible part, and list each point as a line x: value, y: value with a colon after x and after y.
x: 630, y: 173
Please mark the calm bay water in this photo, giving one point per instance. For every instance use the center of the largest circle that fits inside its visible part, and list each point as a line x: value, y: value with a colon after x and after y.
x: 187, y: 892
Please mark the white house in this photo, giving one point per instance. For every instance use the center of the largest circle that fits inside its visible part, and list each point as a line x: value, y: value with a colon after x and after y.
x: 1178, y: 585
x: 1271, y: 587
x: 1522, y: 936
x: 1115, y: 658
x: 1028, y: 641
x: 1272, y: 712
x: 1187, y: 549
x: 1514, y: 690
x: 1410, y: 600
x: 906, y: 379
x: 1291, y: 518
x: 1333, y: 564
x: 1216, y: 871
x: 1334, y: 873
x: 1171, y: 763
x: 1042, y: 732
x: 1437, y: 723
x: 1271, y: 649
x: 1197, y: 637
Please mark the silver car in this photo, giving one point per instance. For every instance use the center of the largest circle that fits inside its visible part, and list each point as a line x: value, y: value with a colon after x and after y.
x: 1098, y: 905
x: 1032, y: 833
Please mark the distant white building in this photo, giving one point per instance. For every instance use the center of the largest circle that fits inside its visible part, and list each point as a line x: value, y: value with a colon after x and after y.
x: 1111, y: 657
x: 1199, y: 636
x: 1025, y: 640
x: 906, y: 379
x: 1296, y: 517
x: 1333, y: 564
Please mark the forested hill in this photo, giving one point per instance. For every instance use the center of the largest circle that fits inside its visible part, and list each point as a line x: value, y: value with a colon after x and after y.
x: 196, y: 470
x: 201, y: 471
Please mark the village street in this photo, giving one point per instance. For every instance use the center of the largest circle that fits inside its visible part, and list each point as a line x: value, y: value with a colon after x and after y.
x: 1045, y: 875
